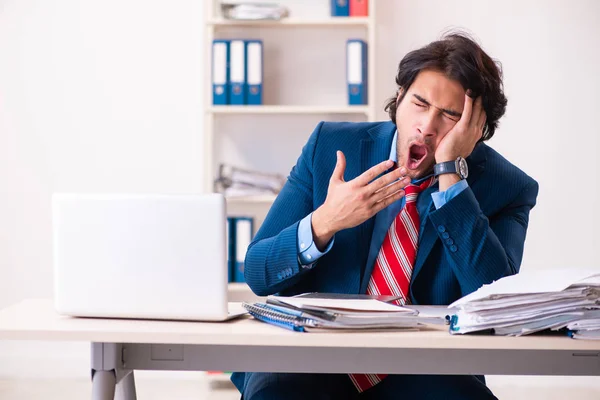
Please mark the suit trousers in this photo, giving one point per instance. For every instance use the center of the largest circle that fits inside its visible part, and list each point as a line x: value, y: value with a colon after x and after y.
x: 271, y: 386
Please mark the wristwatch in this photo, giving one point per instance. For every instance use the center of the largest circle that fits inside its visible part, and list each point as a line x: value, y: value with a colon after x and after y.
x: 458, y: 166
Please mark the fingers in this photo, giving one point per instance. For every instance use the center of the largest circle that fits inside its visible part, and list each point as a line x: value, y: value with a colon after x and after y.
x: 389, y: 190
x: 373, y: 172
x: 476, y: 113
x: 386, y: 179
x: 386, y: 201
x: 481, y: 124
x: 340, y: 167
x: 465, y: 118
x: 478, y: 119
x: 477, y: 116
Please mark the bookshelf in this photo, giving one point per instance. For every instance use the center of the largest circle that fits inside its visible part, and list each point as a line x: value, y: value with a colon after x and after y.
x: 258, y: 199
x: 215, y: 24
x: 217, y: 27
x: 294, y: 22
x: 276, y: 109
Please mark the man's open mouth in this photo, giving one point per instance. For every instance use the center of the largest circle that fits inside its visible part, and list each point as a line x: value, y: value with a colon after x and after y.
x: 416, y: 154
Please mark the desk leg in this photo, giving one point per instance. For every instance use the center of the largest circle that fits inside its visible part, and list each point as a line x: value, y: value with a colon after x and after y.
x: 108, y: 370
x: 126, y: 388
x: 103, y: 385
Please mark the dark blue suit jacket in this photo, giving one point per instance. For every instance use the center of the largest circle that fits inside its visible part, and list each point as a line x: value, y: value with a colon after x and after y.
x: 486, y: 223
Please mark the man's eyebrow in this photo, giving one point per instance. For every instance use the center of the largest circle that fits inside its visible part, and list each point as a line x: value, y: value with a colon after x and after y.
x: 452, y: 113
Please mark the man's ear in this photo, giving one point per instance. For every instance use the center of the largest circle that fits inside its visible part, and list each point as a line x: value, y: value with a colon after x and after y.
x: 400, y: 92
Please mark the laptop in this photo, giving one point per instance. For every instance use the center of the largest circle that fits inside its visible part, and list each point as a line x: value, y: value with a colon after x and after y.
x: 143, y: 256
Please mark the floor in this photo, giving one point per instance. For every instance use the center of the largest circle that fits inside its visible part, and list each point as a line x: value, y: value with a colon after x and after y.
x: 147, y: 389
x: 202, y: 387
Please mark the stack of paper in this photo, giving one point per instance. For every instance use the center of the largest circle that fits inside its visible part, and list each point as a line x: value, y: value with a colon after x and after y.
x: 234, y: 181
x: 253, y: 10
x: 530, y: 302
x: 312, y: 314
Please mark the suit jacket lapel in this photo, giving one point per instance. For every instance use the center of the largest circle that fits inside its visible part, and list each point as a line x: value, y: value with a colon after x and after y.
x: 373, y: 150
x: 376, y: 147
x: 428, y: 235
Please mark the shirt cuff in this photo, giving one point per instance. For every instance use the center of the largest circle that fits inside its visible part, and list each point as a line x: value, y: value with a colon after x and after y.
x: 308, y: 253
x: 441, y: 198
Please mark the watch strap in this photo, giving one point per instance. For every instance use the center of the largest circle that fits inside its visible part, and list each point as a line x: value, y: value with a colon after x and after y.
x: 447, y: 167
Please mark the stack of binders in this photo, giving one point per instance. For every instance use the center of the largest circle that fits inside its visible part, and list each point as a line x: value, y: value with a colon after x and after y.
x: 239, y: 235
x: 349, y: 8
x: 237, y: 72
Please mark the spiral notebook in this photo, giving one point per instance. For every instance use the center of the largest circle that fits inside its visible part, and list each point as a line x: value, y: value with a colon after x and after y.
x: 307, y: 320
x: 272, y: 316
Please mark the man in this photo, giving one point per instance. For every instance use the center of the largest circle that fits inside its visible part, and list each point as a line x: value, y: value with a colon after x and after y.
x: 394, y: 208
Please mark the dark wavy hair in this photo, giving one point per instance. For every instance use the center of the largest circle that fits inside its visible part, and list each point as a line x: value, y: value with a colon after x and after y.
x: 460, y: 58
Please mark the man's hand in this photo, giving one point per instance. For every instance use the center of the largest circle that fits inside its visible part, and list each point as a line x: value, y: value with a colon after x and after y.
x: 349, y: 204
x: 463, y: 137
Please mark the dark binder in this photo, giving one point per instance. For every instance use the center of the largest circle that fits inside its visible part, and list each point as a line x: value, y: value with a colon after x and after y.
x: 340, y: 8
x: 230, y: 236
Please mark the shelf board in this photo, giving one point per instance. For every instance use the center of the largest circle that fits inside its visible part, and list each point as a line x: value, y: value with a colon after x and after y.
x: 291, y: 22
x: 238, y: 287
x: 265, y: 198
x: 288, y: 110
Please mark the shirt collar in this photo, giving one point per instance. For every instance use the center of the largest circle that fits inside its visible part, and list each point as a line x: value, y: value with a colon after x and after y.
x: 393, y: 153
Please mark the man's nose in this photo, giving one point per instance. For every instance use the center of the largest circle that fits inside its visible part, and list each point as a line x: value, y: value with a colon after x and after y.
x: 428, y: 126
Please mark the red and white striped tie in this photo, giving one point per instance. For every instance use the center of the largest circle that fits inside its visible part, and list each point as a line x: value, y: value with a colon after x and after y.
x: 394, y: 264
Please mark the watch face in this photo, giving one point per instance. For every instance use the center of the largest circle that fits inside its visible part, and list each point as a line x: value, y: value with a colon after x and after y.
x: 463, y: 169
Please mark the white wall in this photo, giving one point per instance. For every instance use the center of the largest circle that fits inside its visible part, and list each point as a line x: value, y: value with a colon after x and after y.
x: 550, y: 51
x: 94, y: 96
x: 107, y: 96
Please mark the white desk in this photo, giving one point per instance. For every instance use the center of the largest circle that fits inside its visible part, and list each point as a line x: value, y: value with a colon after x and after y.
x: 121, y: 346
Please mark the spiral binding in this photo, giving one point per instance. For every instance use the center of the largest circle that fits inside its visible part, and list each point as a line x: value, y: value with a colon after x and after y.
x: 268, y: 315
